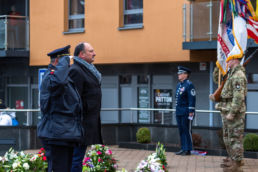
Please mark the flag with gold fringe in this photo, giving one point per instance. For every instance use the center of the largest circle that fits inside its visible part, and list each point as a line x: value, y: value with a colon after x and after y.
x: 237, y: 23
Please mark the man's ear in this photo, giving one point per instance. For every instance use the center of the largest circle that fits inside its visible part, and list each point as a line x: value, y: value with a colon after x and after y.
x: 56, y: 61
x: 80, y: 54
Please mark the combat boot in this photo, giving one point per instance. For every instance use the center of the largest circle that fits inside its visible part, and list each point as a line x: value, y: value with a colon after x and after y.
x: 226, y: 164
x: 226, y: 159
x: 235, y: 167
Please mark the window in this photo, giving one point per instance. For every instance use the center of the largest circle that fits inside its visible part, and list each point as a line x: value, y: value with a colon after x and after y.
x: 76, y: 15
x: 125, y: 79
x: 133, y: 12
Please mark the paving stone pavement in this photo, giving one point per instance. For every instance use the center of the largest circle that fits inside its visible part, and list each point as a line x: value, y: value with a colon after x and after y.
x: 129, y: 159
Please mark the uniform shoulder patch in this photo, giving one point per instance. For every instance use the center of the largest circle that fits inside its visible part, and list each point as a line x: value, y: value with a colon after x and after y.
x: 193, y: 93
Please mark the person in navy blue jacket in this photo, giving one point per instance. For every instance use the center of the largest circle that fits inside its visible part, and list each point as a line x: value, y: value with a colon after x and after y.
x: 185, y: 109
x: 60, y: 128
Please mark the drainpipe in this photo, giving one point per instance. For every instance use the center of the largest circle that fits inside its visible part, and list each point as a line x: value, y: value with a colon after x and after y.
x: 184, y: 22
x: 211, y: 91
x: 210, y: 32
x: 5, y: 35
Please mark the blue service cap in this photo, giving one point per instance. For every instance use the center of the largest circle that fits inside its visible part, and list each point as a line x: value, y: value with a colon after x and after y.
x: 60, y: 52
x: 182, y: 69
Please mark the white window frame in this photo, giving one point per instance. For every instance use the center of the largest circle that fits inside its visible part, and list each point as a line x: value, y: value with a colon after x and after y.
x: 75, y: 17
x: 132, y: 11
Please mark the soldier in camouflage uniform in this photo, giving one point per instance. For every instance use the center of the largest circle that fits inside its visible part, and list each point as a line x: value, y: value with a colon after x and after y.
x: 232, y: 107
x: 223, y: 115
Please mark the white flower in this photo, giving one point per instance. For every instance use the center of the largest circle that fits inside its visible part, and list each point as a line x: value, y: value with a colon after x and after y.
x: 15, y: 165
x: 33, y: 158
x: 22, y: 154
x: 26, y: 166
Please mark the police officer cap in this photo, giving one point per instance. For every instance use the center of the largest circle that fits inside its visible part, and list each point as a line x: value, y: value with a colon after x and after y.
x: 182, y: 69
x: 59, y: 52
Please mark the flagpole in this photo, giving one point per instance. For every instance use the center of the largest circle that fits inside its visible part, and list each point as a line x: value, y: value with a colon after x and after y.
x: 219, y: 78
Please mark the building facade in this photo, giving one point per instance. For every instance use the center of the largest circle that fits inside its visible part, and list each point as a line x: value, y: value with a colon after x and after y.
x: 139, y: 44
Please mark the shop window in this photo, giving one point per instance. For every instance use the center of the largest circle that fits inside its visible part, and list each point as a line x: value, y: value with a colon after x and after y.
x: 163, y: 100
x: 143, y: 79
x: 143, y: 102
x: 133, y: 13
x: 125, y: 79
x: 252, y: 78
x: 76, y: 15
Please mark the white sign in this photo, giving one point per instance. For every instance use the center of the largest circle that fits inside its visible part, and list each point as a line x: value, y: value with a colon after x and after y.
x: 203, y: 66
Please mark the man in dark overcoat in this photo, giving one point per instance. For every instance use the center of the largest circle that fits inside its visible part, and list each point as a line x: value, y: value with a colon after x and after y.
x: 88, y: 82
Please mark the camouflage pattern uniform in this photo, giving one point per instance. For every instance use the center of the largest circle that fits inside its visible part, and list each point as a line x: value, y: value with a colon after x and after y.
x: 233, y: 102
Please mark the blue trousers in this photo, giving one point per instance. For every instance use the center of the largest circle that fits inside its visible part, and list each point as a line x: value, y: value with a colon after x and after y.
x: 78, y: 155
x: 185, y: 132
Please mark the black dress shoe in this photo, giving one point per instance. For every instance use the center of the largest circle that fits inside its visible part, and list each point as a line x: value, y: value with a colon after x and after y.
x: 186, y: 153
x: 180, y: 152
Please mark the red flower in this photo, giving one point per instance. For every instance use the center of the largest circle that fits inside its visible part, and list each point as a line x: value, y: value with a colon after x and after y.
x: 42, y: 149
x: 99, y: 153
x: 100, y: 160
x: 44, y: 158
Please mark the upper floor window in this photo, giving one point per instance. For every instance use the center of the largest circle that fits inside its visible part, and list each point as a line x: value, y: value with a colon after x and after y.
x: 133, y: 12
x: 76, y: 15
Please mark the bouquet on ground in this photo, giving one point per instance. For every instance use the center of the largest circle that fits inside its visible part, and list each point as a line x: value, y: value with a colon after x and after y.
x: 99, y: 159
x: 19, y: 161
x: 155, y: 162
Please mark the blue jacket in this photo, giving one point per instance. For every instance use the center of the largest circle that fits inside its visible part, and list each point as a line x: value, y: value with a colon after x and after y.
x: 60, y: 104
x: 185, y: 98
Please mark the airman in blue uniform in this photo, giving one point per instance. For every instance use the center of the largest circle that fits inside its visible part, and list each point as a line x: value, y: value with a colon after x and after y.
x: 185, y: 109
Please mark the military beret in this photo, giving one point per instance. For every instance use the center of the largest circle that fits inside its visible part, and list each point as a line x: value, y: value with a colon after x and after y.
x: 60, y: 52
x: 182, y: 69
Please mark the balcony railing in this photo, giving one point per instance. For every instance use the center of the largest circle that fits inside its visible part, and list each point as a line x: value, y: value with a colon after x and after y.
x: 14, y: 32
x: 200, y: 21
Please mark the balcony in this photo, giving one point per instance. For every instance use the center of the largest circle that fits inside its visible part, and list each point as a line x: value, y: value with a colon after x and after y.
x: 200, y: 26
x: 14, y: 36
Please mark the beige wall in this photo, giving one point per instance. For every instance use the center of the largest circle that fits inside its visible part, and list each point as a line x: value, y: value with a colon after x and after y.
x: 159, y: 41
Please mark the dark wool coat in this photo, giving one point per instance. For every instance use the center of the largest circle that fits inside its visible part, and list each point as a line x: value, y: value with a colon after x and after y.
x: 89, y: 88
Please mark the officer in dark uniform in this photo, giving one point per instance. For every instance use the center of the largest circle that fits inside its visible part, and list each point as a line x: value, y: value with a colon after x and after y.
x: 60, y: 128
x: 185, y: 108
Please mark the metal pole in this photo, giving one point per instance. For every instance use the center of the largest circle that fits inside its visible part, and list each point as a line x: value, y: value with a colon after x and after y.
x: 210, y: 32
x: 162, y: 117
x: 184, y: 22
x: 191, y: 22
x: 211, y: 91
x: 5, y: 36
x: 131, y: 116
x: 27, y: 33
